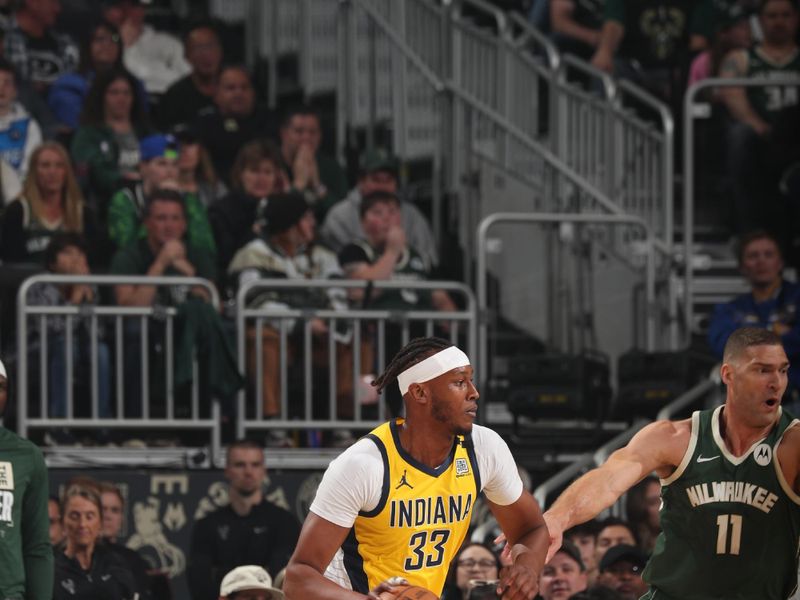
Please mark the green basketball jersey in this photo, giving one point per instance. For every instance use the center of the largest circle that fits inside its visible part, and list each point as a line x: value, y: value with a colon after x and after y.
x: 769, y: 100
x: 730, y: 526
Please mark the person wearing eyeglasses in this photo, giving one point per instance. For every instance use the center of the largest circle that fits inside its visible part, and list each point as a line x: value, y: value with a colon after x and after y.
x: 473, y: 565
x: 621, y: 570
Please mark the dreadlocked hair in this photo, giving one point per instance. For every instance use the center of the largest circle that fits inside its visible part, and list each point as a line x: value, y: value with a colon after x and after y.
x: 412, y: 353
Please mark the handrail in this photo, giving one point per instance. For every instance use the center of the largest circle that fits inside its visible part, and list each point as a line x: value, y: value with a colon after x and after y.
x: 685, y: 399
x: 497, y: 14
x: 510, y: 217
x: 609, y: 84
x: 553, y: 57
x: 564, y: 476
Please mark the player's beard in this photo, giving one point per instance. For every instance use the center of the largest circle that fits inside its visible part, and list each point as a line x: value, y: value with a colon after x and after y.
x: 439, y: 413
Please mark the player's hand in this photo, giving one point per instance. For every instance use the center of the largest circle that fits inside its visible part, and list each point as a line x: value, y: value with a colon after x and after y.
x: 556, y: 536
x: 387, y: 590
x: 505, y: 554
x: 518, y: 582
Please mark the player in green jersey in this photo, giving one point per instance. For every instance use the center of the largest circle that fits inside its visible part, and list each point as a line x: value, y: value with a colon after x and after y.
x: 26, y: 557
x: 730, y: 480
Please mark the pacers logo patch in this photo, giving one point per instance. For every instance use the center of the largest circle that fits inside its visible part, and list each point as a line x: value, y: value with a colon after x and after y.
x: 6, y: 476
x: 462, y: 467
x: 763, y: 454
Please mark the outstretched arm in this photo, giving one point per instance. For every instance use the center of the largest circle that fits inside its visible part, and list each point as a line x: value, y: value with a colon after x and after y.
x: 658, y: 447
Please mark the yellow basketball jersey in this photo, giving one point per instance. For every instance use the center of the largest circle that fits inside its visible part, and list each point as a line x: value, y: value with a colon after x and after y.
x: 421, y: 519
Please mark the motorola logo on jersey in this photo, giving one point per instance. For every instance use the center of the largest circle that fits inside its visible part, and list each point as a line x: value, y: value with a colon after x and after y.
x: 763, y: 454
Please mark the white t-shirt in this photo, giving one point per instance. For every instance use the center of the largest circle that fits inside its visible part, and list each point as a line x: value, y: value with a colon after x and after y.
x: 353, y: 481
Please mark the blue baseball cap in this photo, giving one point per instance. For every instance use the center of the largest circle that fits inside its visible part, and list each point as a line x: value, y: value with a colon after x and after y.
x: 157, y: 145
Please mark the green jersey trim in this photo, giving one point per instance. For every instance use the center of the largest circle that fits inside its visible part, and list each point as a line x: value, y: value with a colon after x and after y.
x: 687, y: 456
x: 777, y: 64
x: 736, y: 460
x: 787, y: 489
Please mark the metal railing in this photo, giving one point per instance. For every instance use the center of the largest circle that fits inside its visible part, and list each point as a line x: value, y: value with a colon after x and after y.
x: 126, y: 324
x: 695, y: 108
x: 360, y: 330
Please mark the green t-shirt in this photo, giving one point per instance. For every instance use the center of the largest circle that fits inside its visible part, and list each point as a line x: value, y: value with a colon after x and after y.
x: 26, y: 557
x: 769, y: 101
x: 730, y: 526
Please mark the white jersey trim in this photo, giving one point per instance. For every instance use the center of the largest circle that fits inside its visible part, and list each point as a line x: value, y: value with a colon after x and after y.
x: 787, y: 489
x: 687, y: 456
x: 715, y: 431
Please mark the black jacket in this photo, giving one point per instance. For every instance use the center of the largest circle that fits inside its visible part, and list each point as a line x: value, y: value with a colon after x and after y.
x: 108, y: 577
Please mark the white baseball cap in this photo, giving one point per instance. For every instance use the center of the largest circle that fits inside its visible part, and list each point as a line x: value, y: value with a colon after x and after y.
x: 249, y: 577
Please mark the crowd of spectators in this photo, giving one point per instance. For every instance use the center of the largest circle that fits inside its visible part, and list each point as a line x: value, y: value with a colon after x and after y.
x: 135, y: 151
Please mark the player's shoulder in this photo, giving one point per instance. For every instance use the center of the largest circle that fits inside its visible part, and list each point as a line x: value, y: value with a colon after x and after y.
x: 364, y: 453
x: 10, y: 440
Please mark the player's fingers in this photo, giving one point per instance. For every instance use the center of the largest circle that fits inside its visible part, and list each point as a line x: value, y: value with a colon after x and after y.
x: 555, y: 543
x: 500, y: 539
x: 518, y: 584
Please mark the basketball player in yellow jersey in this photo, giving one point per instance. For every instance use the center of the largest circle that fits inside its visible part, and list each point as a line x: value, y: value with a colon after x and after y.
x: 398, y: 502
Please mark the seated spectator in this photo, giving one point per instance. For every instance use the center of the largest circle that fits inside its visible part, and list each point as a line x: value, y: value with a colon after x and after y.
x: 642, y: 506
x: 584, y: 536
x: 613, y: 531
x: 40, y: 53
x: 56, y: 526
x: 86, y: 569
x: 576, y: 24
x: 248, y: 582
x: 564, y: 575
x: 753, y: 180
x: 164, y: 252
x: 234, y: 121
x: 105, y: 147
x: 251, y: 530
x: 772, y: 303
x: 731, y: 32
x: 51, y: 202
x: 196, y: 173
x: 155, y: 57
x: 378, y: 172
x: 286, y: 250
x: 621, y: 570
x: 474, y: 563
x: 256, y: 175
x: 188, y: 97
x: 101, y: 51
x: 649, y: 43
x: 19, y: 132
x: 158, y: 169
x: 66, y: 255
x: 319, y: 177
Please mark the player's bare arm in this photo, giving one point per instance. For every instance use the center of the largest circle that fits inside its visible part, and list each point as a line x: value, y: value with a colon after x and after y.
x: 789, y: 457
x: 318, y: 543
x: 659, y: 447
x: 524, y: 528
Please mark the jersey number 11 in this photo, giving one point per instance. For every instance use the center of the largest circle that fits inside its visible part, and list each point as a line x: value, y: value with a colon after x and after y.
x: 735, y: 522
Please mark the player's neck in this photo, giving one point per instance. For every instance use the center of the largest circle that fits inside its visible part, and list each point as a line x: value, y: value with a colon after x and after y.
x: 738, y: 436
x: 242, y: 505
x: 426, y: 442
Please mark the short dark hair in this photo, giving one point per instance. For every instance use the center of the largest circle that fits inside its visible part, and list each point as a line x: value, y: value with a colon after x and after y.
x: 200, y: 23
x: 763, y: 4
x: 243, y: 444
x: 617, y: 522
x: 305, y: 110
x: 753, y: 236
x: 58, y: 242
x: 591, y: 527
x: 748, y: 337
x: 374, y: 198
x: 163, y: 195
x: 7, y: 66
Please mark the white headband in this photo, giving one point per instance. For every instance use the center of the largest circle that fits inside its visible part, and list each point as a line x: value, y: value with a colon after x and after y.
x: 433, y: 366
x: 3, y: 370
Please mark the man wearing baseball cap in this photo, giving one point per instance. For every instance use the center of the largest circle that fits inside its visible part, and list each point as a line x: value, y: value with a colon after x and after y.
x: 621, y: 570
x: 248, y: 582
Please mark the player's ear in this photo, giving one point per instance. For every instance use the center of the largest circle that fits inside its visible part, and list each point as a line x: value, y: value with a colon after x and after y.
x: 419, y: 393
x: 726, y: 373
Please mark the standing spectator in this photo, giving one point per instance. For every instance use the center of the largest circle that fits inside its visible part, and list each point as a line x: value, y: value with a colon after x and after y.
x: 773, y: 302
x: 255, y: 176
x: 319, y: 177
x: 621, y: 570
x: 753, y: 179
x: 158, y: 169
x: 611, y: 532
x: 66, y: 255
x: 105, y: 147
x: 19, y: 132
x: 576, y: 25
x: 86, y: 569
x: 56, y: 526
x: 234, y: 120
x: 100, y: 52
x: 153, y: 56
x: 564, y: 575
x: 186, y: 98
x: 248, y: 582
x: 378, y: 172
x: 26, y: 556
x: 196, y: 174
x: 251, y: 530
x: 39, y: 52
x: 642, y: 505
x: 51, y: 201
